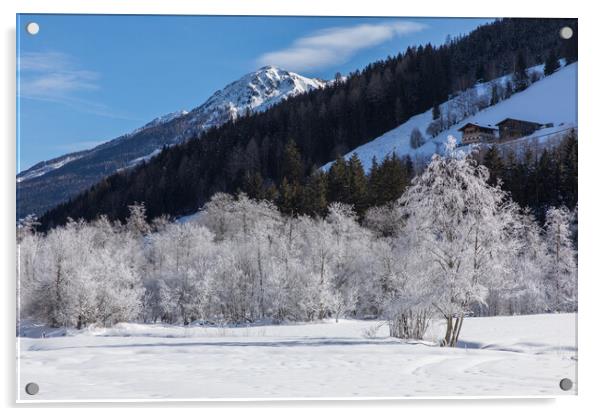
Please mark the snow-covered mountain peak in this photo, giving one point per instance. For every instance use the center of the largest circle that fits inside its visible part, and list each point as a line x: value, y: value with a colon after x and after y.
x: 254, y: 92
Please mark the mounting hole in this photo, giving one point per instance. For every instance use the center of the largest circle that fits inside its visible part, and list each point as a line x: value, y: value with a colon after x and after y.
x: 566, y: 32
x: 32, y: 28
x: 566, y: 384
x: 32, y: 388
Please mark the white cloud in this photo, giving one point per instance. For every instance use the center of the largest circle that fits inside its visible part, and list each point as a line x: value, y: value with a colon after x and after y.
x: 52, y: 75
x: 57, y: 78
x: 336, y: 45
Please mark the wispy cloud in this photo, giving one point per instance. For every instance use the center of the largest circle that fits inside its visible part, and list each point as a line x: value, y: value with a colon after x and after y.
x: 336, y: 45
x: 56, y: 77
x: 53, y: 74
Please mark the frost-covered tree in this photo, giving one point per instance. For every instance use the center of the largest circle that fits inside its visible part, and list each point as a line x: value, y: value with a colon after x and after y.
x: 523, y: 291
x: 384, y: 221
x: 65, y: 292
x: 562, y: 272
x: 407, y: 281
x: 137, y: 220
x: 181, y: 258
x: 351, y: 242
x: 116, y: 268
x: 458, y: 228
x: 81, y: 274
x: 30, y: 247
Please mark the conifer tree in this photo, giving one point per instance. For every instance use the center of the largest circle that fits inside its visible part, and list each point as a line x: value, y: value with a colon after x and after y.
x: 551, y: 64
x: 495, y: 164
x: 358, y: 185
x: 292, y: 166
x: 253, y: 185
x: 495, y: 94
x: 436, y: 111
x: 289, y: 197
x: 416, y: 138
x: 520, y: 77
x: 569, y: 171
x: 337, y: 183
x: 315, y: 194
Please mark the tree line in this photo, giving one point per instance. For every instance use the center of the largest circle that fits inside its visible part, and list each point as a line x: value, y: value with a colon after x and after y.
x: 452, y: 245
x: 535, y: 176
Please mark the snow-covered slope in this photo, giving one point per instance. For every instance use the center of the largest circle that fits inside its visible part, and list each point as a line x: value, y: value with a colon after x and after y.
x: 43, y: 168
x: 497, y: 356
x: 166, y: 118
x: 552, y: 99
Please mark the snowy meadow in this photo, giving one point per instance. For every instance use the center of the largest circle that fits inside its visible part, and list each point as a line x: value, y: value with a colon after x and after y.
x: 497, y: 356
x: 244, y: 301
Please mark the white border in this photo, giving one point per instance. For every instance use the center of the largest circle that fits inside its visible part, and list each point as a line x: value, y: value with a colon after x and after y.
x: 590, y: 184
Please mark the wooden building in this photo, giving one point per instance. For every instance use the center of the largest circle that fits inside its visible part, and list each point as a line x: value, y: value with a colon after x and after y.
x: 511, y: 128
x: 477, y: 133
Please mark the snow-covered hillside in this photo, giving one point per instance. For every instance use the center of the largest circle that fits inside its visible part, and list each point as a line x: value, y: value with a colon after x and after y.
x: 166, y: 118
x: 43, y: 168
x: 553, y: 99
x: 497, y: 356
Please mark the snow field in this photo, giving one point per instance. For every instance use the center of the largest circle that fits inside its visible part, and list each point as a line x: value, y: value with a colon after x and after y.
x: 497, y: 356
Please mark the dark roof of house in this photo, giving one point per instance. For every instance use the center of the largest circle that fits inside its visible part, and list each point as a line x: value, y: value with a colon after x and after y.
x: 481, y: 126
x: 520, y: 121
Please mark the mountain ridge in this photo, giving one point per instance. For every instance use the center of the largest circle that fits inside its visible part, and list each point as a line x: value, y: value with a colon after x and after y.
x: 253, y: 92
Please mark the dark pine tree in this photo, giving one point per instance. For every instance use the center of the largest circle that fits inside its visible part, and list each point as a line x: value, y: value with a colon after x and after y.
x: 292, y: 166
x: 315, y: 194
x: 358, y: 185
x: 551, y: 64
x: 337, y: 180
x: 520, y: 77
x: 436, y: 111
x: 495, y: 94
x: 493, y: 161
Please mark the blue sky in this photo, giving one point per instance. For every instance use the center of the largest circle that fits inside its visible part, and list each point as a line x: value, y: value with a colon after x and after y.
x: 85, y: 79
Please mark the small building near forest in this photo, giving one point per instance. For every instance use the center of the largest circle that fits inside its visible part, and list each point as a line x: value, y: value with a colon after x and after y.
x: 511, y: 128
x: 477, y: 133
